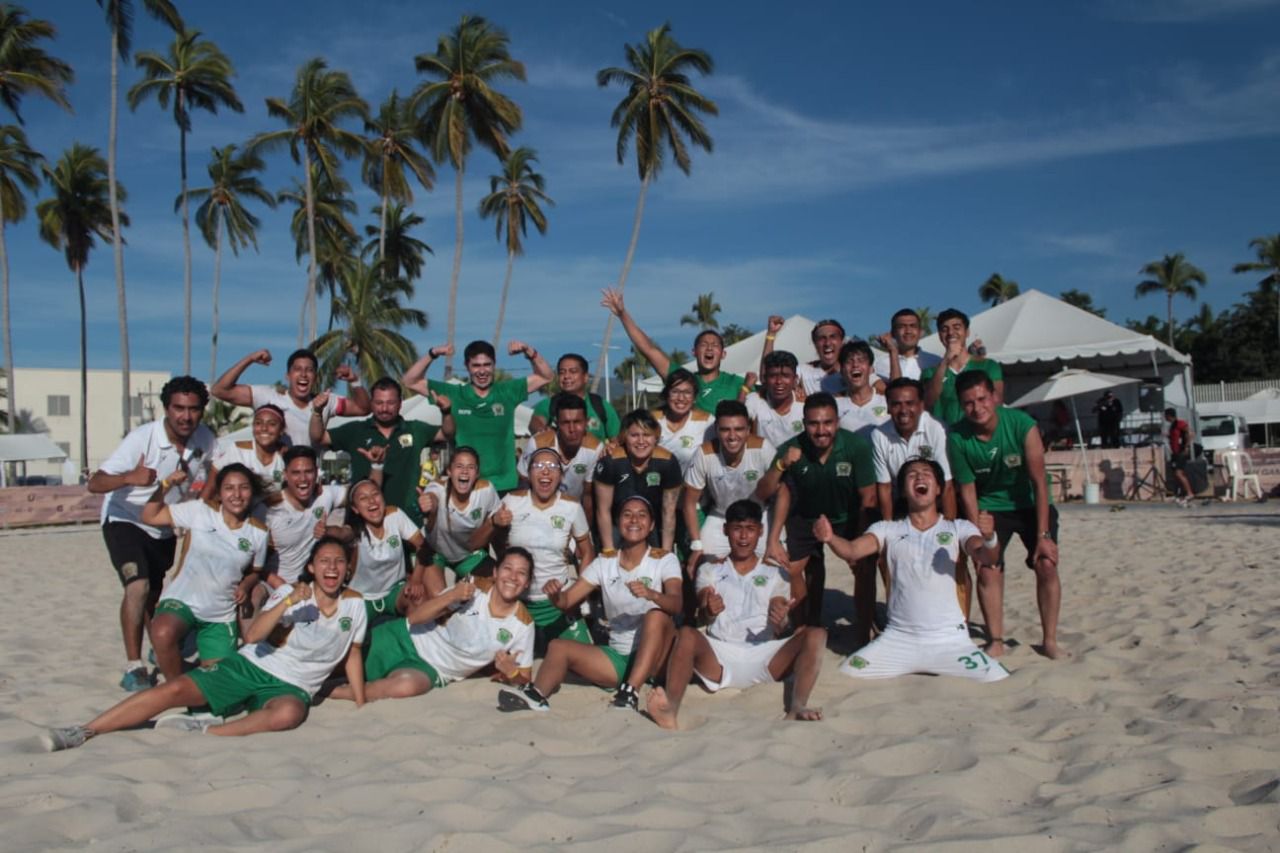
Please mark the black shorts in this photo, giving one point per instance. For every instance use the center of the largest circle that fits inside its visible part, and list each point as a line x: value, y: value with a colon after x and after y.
x: 135, y: 555
x: 1178, y: 461
x: 800, y: 539
x: 1022, y: 522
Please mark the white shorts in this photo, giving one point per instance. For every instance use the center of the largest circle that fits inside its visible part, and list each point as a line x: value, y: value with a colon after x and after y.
x: 896, y: 653
x: 716, y: 544
x: 742, y: 664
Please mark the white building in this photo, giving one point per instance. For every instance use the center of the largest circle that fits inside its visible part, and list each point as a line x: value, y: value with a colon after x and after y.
x: 53, y: 396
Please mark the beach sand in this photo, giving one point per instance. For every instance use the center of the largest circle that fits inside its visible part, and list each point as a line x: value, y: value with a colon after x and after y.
x: 1162, y: 732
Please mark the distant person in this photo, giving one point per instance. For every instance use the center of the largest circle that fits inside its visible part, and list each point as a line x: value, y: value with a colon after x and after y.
x: 574, y: 379
x: 1110, y: 412
x: 1180, y: 437
x: 903, y: 356
x: 940, y: 382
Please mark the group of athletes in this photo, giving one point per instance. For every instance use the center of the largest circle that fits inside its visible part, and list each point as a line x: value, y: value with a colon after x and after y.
x: 662, y: 547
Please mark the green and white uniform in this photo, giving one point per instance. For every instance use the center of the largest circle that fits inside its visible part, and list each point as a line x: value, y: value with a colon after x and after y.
x: 947, y: 407
x: 297, y: 419
x: 379, y: 574
x: 683, y: 441
x: 293, y: 530
x: 829, y: 488
x: 723, y: 485
x: 549, y: 534
x: 740, y: 635
x: 996, y: 466
x: 598, y: 429
x: 624, y: 611
x: 271, y: 473
x: 453, y: 525
x: 772, y: 425
x: 577, y: 474
x: 862, y: 418
x: 488, y: 424
x: 712, y: 392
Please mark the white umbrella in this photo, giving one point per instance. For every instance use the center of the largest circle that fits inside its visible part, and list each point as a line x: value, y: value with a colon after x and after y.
x: 1072, y: 383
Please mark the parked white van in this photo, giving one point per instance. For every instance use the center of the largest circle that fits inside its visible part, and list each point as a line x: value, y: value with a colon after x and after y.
x: 1223, y: 432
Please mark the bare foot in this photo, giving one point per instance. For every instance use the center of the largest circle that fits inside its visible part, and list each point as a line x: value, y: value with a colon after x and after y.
x: 808, y: 715
x: 1052, y: 651
x: 659, y: 709
x: 994, y: 648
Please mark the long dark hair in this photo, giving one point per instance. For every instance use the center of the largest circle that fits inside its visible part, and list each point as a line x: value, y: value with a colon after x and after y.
x: 354, y: 520
x: 255, y: 482
x: 448, y: 481
x: 900, y: 503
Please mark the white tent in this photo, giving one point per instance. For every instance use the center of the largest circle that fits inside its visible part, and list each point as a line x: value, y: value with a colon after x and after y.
x: 744, y: 356
x: 27, y: 447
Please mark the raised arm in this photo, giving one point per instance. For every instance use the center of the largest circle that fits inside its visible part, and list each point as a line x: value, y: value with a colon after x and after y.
x: 358, y: 402
x: 851, y: 552
x: 774, y: 326
x: 415, y: 378
x: 434, y: 608
x: 541, y: 370
x: 228, y: 387
x: 642, y: 342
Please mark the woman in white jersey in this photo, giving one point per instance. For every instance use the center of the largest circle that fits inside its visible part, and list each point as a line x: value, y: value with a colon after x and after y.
x: 381, y: 531
x: 927, y: 632
x: 305, y: 631
x: 642, y: 592
x: 453, y: 509
x: 682, y: 428
x: 263, y: 454
x: 220, y: 558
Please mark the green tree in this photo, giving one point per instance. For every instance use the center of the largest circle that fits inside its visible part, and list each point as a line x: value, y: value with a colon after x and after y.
x: 403, y: 255
x: 926, y: 320
x: 997, y: 289
x: 390, y: 155
x: 223, y: 418
x: 1173, y: 275
x: 515, y: 199
x: 320, y: 102
x: 1268, y: 252
x: 1082, y: 300
x: 25, y: 67
x: 195, y: 75
x: 659, y: 111
x: 120, y: 22
x: 733, y: 333
x: 460, y: 105
x: 233, y: 181
x: 18, y: 164
x: 327, y: 228
x: 704, y: 312
x: 368, y: 316
x: 79, y: 210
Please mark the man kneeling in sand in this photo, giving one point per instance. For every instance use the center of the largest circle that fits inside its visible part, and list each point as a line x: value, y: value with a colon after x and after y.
x: 749, y: 603
x: 927, y: 632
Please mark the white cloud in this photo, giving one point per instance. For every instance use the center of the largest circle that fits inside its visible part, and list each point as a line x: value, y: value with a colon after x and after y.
x: 1179, y: 11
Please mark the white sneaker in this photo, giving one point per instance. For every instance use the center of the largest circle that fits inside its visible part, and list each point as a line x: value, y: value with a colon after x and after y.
x: 69, y: 737
x: 188, y: 722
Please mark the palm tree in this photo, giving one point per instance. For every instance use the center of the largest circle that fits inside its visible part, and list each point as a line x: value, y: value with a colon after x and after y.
x: 997, y: 289
x: 704, y: 312
x: 328, y: 228
x: 79, y: 210
x: 196, y: 75
x: 120, y: 21
x: 391, y: 152
x: 733, y: 333
x: 1081, y: 300
x: 232, y: 182
x: 659, y: 110
x: 368, y: 316
x: 1268, y: 251
x: 320, y: 101
x: 460, y: 105
x: 402, y: 253
x: 1173, y: 276
x: 18, y: 164
x: 223, y: 417
x: 926, y: 319
x: 24, y: 66
x: 515, y: 199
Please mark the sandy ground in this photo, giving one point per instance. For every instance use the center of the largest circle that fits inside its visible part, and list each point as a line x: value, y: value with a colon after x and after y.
x: 1162, y: 732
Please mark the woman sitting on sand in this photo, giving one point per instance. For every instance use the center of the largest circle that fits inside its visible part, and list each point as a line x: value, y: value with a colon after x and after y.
x: 381, y: 532
x: 303, y: 632
x: 221, y: 557
x: 641, y: 591
x: 453, y: 508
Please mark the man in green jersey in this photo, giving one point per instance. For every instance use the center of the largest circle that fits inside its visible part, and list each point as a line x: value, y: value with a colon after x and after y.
x: 823, y: 471
x: 940, y: 382
x: 573, y: 378
x: 714, y: 384
x: 997, y: 461
x: 483, y: 410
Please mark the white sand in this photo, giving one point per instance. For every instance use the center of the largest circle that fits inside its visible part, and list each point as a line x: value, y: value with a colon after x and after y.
x: 1163, y: 732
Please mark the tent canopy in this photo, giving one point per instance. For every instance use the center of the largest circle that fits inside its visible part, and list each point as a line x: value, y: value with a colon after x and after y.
x: 28, y: 447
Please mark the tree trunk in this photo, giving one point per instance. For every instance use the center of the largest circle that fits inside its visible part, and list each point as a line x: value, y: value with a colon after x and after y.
x: 12, y: 405
x: 502, y: 305
x: 382, y: 226
x: 84, y: 379
x: 457, y: 270
x: 186, y: 251
x: 217, y: 283
x: 1169, y: 328
x: 309, y: 303
x: 122, y: 310
x: 622, y: 283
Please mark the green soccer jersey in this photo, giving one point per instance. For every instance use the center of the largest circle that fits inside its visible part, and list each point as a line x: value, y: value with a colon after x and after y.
x: 828, y: 488
x: 996, y: 466
x: 403, y: 463
x: 603, y: 430
x: 947, y: 407
x: 710, y: 393
x: 488, y: 424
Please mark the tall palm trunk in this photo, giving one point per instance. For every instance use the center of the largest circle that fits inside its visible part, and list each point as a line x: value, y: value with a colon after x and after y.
x: 8, y: 330
x: 122, y: 310
x: 217, y: 283
x: 84, y: 378
x: 1169, y: 328
x: 622, y: 282
x: 382, y: 226
x: 186, y: 250
x: 309, y: 303
x: 457, y: 269
x: 502, y: 305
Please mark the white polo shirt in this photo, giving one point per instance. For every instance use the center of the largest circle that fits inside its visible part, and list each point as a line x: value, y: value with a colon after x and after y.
x: 889, y: 450
x: 725, y: 484
x: 745, y: 618
x: 152, y: 444
x: 771, y: 424
x: 912, y: 365
x: 922, y: 564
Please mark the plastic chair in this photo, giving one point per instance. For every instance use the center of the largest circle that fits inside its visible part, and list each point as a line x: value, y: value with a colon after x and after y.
x: 1238, y: 468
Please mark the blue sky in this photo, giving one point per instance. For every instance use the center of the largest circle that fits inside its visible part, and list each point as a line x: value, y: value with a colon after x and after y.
x: 868, y: 156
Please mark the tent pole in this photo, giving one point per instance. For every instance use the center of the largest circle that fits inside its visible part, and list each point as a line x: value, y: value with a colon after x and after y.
x: 1084, y: 454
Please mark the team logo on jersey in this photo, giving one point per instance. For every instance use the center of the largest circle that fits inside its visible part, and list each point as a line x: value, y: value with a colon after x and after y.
x: 557, y: 521
x: 797, y: 426
x: 243, y: 544
x: 653, y: 478
x: 926, y: 452
x: 645, y: 582
x: 751, y: 476
x: 843, y: 469
x: 859, y: 662
x: 498, y: 410
x: 686, y: 441
x: 1012, y: 460
x: 475, y: 514
x: 945, y: 538
x: 394, y: 541
x: 759, y: 580
x: 878, y: 411
x: 504, y: 636
x: 318, y: 513
x: 345, y: 623
x: 277, y: 475
x: 579, y: 469
x: 593, y: 424
x: 406, y: 441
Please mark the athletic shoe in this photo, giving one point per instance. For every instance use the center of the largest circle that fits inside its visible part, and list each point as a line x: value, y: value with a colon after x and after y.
x: 56, y: 740
x: 186, y: 722
x: 135, y: 680
x: 523, y: 698
x: 626, y: 699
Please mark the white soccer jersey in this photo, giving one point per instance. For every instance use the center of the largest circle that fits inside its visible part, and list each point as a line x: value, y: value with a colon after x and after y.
x: 683, y: 442
x: 814, y: 379
x: 306, y: 645
x: 548, y: 533
x: 453, y: 526
x: 726, y: 484
x: 868, y: 416
x: 922, y: 564
x: 745, y: 618
x: 912, y: 365
x: 470, y: 637
x: 577, y: 473
x: 297, y: 419
x: 213, y: 559
x: 380, y: 562
x: 774, y: 426
x: 151, y: 443
x: 625, y: 611
x: 246, y: 453
x: 293, y: 530
x: 889, y: 450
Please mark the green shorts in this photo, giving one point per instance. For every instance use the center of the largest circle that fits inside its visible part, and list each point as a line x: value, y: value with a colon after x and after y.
x: 621, y: 663
x: 391, y: 648
x: 552, y: 623
x: 214, y: 640
x: 465, y: 566
x: 379, y: 610
x: 235, y: 683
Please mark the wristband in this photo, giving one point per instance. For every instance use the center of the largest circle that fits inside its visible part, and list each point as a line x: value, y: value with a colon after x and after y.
x: 1046, y: 535
x: 695, y: 545
x: 354, y: 383
x: 377, y: 466
x: 991, y: 544
x: 746, y: 389
x: 531, y: 354
x: 779, y: 465
x: 288, y: 601
x: 316, y: 413
x: 770, y: 337
x: 164, y: 484
x: 431, y: 353
x: 609, y: 552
